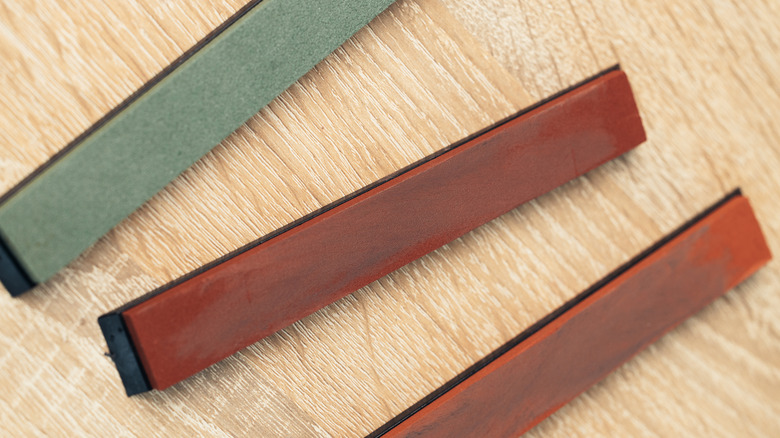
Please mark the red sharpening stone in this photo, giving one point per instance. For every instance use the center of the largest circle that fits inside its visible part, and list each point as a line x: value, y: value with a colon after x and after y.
x: 203, y: 318
x: 545, y: 368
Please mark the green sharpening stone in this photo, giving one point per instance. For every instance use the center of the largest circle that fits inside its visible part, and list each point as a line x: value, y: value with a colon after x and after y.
x: 70, y: 202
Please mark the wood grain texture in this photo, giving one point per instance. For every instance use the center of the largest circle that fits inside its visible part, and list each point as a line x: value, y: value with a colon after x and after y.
x: 705, y: 77
x: 203, y: 319
x: 605, y: 327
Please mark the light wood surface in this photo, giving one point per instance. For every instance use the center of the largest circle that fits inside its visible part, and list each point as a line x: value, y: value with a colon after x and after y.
x: 415, y: 80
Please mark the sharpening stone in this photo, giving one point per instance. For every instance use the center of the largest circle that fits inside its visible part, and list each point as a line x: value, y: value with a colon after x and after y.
x: 103, y: 176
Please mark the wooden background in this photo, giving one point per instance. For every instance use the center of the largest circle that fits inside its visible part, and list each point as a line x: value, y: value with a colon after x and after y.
x: 422, y: 75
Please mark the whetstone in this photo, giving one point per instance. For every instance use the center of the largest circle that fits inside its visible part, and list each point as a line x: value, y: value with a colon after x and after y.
x: 202, y: 318
x: 519, y: 385
x: 122, y: 161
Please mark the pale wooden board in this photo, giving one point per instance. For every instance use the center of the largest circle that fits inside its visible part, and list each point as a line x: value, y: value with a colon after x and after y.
x: 352, y: 366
